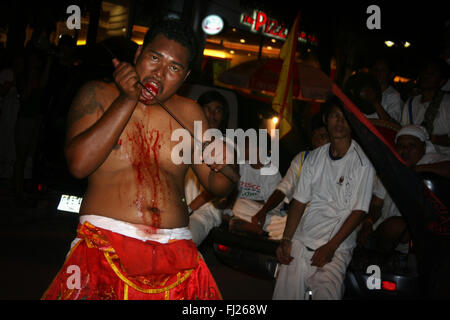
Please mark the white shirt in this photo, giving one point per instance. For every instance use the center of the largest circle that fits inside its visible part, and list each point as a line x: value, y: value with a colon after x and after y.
x: 414, y: 113
x: 389, y: 208
x: 255, y: 186
x: 333, y: 189
x: 290, y: 179
x: 392, y: 103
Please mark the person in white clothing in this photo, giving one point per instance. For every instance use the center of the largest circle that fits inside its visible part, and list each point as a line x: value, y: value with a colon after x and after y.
x: 391, y: 100
x: 431, y: 108
x: 254, y: 189
x: 331, y: 198
x: 384, y: 223
x: 287, y: 186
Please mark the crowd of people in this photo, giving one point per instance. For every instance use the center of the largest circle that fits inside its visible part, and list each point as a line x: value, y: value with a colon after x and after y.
x: 139, y: 206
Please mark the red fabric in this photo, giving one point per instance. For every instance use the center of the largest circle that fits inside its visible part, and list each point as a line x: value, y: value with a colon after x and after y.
x: 94, y: 270
x: 150, y: 257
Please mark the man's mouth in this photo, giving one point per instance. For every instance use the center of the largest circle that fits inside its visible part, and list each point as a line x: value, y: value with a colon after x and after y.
x: 151, y: 86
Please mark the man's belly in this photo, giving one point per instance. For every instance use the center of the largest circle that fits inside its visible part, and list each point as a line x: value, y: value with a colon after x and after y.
x: 157, y: 202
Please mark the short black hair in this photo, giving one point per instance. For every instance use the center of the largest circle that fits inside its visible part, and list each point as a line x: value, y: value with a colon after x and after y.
x: 326, y: 108
x: 177, y: 30
x: 211, y: 96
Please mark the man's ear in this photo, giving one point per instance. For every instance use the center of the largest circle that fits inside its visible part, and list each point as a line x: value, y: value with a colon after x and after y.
x: 137, y: 54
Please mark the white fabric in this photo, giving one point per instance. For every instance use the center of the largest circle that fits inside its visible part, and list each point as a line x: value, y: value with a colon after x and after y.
x: 136, y: 231
x: 295, y: 279
x: 202, y: 220
x: 441, y: 124
x: 414, y: 130
x: 392, y: 103
x: 245, y: 209
x: 290, y: 179
x: 333, y: 189
x: 255, y: 186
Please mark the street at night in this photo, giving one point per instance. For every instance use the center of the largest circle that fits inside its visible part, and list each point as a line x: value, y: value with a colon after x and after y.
x: 233, y: 150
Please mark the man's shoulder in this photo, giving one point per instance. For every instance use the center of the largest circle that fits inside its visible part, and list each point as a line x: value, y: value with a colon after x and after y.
x: 189, y: 108
x: 359, y: 155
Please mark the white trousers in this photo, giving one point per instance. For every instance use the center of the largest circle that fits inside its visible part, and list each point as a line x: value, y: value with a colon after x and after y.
x: 296, y: 279
x: 202, y: 220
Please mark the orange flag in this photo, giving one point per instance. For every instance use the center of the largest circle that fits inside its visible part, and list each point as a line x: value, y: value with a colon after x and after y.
x: 282, y: 102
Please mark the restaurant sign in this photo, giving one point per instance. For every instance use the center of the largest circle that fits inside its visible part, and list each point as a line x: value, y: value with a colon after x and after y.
x: 260, y: 22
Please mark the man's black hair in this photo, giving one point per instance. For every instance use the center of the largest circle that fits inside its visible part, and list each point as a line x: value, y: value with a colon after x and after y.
x: 177, y: 30
x: 331, y: 102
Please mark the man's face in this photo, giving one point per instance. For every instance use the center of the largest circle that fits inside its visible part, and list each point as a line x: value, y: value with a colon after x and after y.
x: 162, y: 66
x: 214, y: 113
x: 410, y: 148
x: 337, y: 125
x: 319, y: 137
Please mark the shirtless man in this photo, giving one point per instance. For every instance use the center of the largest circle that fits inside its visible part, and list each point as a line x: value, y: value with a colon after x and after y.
x: 120, y: 138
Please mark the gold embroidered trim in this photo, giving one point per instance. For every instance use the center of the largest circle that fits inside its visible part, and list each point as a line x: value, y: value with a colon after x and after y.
x: 125, y: 292
x: 135, y: 287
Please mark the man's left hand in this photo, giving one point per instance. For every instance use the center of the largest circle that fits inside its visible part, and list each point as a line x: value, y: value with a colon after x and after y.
x: 323, y: 255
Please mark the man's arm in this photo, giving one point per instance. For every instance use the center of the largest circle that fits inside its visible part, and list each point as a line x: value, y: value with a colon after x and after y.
x: 376, y: 205
x: 215, y: 183
x: 274, y: 200
x: 295, y: 213
x: 92, y: 131
x: 325, y: 253
x: 439, y: 168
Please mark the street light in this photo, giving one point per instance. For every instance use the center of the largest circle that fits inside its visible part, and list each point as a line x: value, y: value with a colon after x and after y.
x: 407, y: 44
x: 389, y: 43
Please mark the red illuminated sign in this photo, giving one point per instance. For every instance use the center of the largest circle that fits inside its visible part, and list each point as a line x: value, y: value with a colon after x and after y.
x: 260, y: 22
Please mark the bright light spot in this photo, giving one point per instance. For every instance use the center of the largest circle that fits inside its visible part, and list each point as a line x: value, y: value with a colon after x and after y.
x: 275, y: 120
x: 242, y: 41
x: 389, y: 43
x: 407, y: 44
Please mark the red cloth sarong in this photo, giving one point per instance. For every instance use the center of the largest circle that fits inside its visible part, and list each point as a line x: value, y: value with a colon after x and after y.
x: 105, y: 265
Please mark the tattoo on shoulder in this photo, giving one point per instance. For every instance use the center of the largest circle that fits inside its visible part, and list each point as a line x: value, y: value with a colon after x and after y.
x: 85, y: 102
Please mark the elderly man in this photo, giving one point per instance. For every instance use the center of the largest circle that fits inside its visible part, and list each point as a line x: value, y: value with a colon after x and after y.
x: 384, y: 219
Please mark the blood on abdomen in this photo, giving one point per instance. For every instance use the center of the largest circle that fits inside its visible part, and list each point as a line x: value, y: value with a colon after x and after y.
x: 145, y: 147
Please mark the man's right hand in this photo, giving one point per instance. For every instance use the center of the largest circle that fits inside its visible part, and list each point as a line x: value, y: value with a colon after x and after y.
x: 284, y: 252
x: 126, y: 80
x: 259, y: 218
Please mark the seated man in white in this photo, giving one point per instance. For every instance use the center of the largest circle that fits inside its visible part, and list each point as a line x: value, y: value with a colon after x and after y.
x: 384, y: 223
x: 331, y: 198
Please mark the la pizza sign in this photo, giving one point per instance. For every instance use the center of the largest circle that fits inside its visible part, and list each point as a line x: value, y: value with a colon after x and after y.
x: 260, y: 22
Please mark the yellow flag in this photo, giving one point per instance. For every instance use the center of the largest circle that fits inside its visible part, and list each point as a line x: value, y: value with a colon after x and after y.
x: 282, y: 102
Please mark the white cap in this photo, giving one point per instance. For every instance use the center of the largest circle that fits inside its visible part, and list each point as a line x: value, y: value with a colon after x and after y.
x: 414, y: 130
